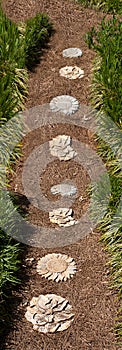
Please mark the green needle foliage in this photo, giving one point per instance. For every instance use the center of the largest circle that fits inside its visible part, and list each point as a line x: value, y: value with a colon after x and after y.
x: 37, y: 32
x: 13, y: 75
x: 106, y: 97
x: 112, y: 6
x: 9, y: 261
x: 106, y: 91
x: 20, y: 48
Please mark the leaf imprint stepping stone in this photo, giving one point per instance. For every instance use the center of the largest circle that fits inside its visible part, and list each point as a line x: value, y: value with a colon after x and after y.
x: 60, y: 147
x: 56, y: 267
x: 65, y: 104
x: 71, y: 72
x: 49, y: 313
x: 64, y: 190
x: 72, y: 52
x: 62, y: 217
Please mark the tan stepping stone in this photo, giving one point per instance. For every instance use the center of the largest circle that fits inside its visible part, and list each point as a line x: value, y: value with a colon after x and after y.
x: 62, y: 217
x: 49, y: 313
x: 72, y: 52
x: 71, y: 72
x: 60, y: 147
x: 56, y: 267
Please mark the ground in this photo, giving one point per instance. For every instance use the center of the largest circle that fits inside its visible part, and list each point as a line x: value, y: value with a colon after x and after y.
x: 88, y: 291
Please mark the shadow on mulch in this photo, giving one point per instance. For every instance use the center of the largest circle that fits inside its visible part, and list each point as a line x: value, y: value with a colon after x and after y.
x: 33, y: 63
x: 20, y: 201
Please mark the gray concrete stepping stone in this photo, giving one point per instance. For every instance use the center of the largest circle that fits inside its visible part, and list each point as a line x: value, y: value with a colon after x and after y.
x: 72, y: 52
x: 49, y: 313
x: 71, y: 72
x: 60, y: 147
x: 64, y: 189
x: 62, y: 217
x: 65, y: 104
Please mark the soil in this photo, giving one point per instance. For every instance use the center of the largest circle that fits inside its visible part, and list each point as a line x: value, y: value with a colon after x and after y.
x: 88, y: 291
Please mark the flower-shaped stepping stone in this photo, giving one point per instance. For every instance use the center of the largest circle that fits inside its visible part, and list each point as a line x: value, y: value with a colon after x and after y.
x: 56, y: 267
x: 65, y: 104
x: 62, y: 217
x: 72, y: 52
x: 64, y: 190
x: 60, y: 147
x: 71, y: 72
x: 49, y: 313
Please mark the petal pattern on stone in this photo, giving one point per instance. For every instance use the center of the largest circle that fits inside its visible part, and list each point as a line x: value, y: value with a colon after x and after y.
x: 71, y: 72
x: 59, y: 267
x: 64, y: 326
x: 65, y: 104
x: 62, y: 217
x: 60, y: 147
x: 57, y: 318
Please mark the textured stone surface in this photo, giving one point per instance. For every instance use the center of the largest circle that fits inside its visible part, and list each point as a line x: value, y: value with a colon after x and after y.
x: 72, y: 52
x: 49, y: 313
x: 56, y: 267
x: 71, y: 72
x: 60, y: 147
x: 64, y: 189
x: 62, y: 217
x: 65, y: 104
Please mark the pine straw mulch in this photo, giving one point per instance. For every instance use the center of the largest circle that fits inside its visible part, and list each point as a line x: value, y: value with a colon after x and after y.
x: 95, y: 304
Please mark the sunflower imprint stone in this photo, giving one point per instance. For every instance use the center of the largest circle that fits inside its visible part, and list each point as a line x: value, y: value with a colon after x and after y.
x: 65, y: 104
x: 60, y: 147
x: 56, y: 267
x: 62, y: 217
x: 49, y: 313
x: 71, y: 72
x: 64, y: 190
x: 72, y: 52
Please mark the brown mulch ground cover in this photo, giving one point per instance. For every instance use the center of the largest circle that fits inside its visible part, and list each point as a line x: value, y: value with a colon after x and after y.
x: 94, y: 303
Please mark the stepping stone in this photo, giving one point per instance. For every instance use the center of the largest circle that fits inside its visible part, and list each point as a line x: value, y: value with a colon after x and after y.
x: 64, y: 190
x: 62, y: 217
x: 65, y: 104
x: 60, y: 147
x: 71, y: 72
x: 56, y: 267
x: 72, y: 52
x: 49, y: 313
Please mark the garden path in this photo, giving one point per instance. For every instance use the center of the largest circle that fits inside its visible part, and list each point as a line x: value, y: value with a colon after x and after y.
x: 88, y: 291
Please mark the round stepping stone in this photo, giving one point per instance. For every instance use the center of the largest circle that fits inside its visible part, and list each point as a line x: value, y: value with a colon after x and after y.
x: 71, y: 72
x: 56, y: 267
x: 72, y: 52
x: 49, y: 313
x: 64, y: 189
x: 65, y: 104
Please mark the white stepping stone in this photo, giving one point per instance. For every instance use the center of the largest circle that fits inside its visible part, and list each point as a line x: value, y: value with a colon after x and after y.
x: 72, y: 52
x: 71, y: 72
x: 60, y: 147
x: 49, y: 313
x: 62, y: 217
x: 64, y: 190
x: 65, y: 104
